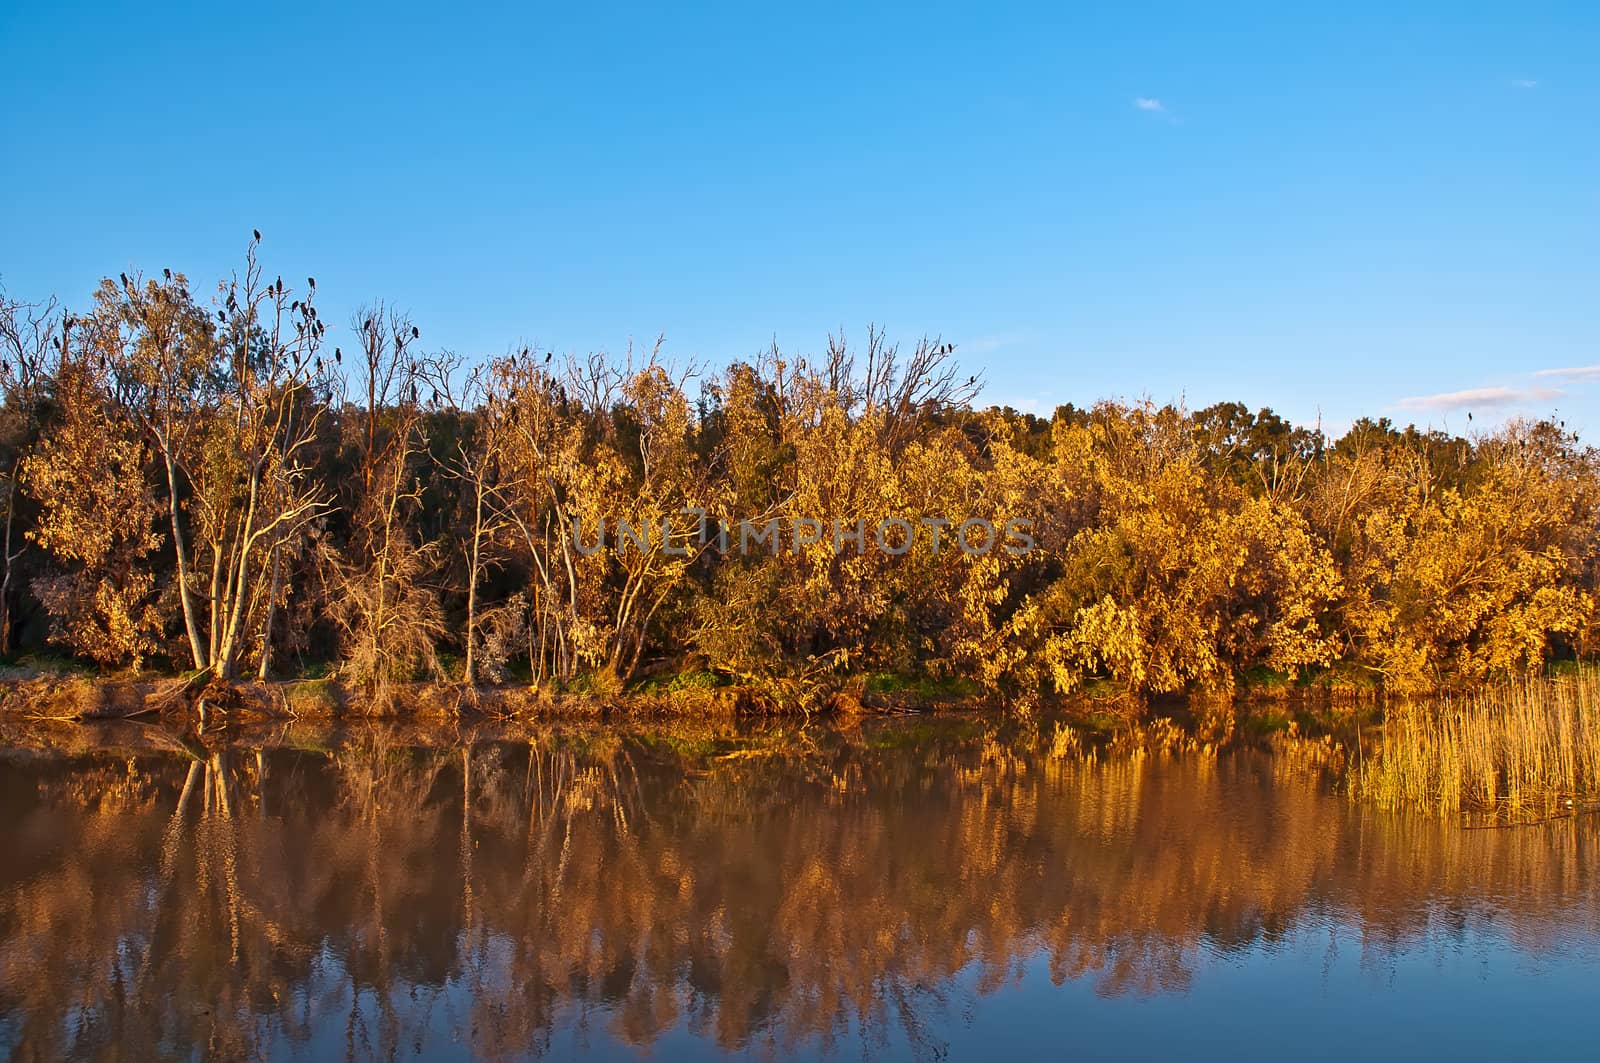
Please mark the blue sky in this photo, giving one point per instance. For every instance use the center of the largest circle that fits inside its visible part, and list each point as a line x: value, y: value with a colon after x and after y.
x: 1334, y: 210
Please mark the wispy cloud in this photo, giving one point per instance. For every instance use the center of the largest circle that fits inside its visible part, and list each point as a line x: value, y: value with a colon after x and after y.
x: 989, y: 344
x: 1576, y: 372
x: 1480, y: 398
x: 1524, y: 83
x: 1149, y: 103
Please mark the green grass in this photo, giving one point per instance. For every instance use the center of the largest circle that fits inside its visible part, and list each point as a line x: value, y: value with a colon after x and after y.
x: 312, y: 696
x: 694, y: 679
x: 924, y: 688
x: 1346, y: 678
x: 602, y: 685
x: 49, y: 664
x: 318, y: 670
x: 1266, y: 681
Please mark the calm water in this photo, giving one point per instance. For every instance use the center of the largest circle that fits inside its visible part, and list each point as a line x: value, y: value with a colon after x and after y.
x: 903, y: 889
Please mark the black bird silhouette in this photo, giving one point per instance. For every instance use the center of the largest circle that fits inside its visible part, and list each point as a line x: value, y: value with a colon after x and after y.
x: 548, y: 355
x: 368, y: 325
x: 257, y: 233
x: 972, y: 380
x: 1469, y: 415
x: 124, y: 277
x: 415, y: 332
x: 311, y: 282
x: 338, y: 356
x: 168, y: 272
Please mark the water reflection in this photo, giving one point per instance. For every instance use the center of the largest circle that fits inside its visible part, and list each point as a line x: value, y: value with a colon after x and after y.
x: 783, y: 893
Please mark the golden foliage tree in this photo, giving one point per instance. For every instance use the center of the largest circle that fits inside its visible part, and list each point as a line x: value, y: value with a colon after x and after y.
x: 1177, y: 577
x: 97, y: 520
x: 803, y: 520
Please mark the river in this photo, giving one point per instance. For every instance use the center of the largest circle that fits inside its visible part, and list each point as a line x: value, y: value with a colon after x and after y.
x: 900, y: 888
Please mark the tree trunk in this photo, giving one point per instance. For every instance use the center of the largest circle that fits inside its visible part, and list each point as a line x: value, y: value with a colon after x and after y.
x: 181, y: 548
x: 5, y: 582
x: 472, y: 580
x: 272, y: 608
x: 239, y: 607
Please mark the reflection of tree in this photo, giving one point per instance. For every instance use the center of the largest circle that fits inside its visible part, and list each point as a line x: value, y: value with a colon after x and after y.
x: 385, y: 896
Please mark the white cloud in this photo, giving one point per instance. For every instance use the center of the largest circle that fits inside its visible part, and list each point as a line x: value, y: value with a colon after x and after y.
x: 1524, y: 83
x: 1576, y: 372
x: 1149, y: 103
x: 1486, y: 398
x: 989, y: 344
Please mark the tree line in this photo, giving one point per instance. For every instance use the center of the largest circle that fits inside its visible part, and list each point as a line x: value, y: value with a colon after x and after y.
x: 222, y: 483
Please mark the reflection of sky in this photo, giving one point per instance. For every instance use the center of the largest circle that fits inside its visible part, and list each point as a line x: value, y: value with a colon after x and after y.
x: 1317, y: 993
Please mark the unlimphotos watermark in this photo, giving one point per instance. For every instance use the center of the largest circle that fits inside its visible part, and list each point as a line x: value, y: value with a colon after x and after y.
x: 894, y: 536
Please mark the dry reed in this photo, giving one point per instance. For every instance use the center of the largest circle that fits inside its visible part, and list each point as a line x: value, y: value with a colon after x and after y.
x: 1526, y: 746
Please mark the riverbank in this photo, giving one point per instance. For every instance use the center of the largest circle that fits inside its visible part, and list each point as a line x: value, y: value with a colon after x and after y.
x: 65, y: 693
x: 1518, y: 750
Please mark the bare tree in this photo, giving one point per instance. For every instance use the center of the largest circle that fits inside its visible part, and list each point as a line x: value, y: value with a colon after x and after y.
x: 231, y: 408
x: 281, y: 387
x: 390, y: 617
x: 478, y: 465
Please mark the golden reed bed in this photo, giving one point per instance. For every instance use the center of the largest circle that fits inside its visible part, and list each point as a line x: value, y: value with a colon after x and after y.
x: 1524, y: 747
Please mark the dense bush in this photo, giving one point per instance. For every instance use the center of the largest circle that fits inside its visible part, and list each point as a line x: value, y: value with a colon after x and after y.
x: 217, y: 483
